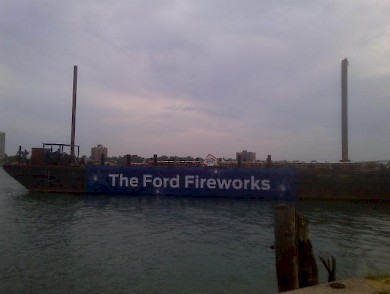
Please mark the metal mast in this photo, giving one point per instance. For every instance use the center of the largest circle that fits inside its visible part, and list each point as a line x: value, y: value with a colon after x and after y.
x: 72, y: 138
x: 344, y: 110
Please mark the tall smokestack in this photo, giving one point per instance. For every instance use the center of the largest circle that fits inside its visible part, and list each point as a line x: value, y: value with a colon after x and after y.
x: 72, y: 137
x: 344, y: 110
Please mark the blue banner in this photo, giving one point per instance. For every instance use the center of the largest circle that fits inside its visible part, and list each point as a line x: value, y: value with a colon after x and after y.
x: 267, y: 183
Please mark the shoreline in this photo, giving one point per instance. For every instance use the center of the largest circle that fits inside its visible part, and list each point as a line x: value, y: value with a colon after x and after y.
x: 352, y: 285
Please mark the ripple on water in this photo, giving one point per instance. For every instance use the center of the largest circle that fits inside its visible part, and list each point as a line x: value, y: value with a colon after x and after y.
x: 67, y: 243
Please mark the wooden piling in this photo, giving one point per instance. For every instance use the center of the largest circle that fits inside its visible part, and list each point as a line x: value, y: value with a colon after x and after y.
x: 308, y: 271
x: 286, y: 251
x: 295, y: 263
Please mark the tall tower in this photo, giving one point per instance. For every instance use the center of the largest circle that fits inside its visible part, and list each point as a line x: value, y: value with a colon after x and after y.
x: 344, y: 110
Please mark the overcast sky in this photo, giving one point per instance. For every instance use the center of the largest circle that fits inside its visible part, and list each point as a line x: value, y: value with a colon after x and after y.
x: 197, y: 77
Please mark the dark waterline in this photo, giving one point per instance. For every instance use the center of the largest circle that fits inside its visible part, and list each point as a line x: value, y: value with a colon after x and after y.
x: 64, y: 243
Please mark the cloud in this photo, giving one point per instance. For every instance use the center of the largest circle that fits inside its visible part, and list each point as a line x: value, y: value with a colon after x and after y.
x: 192, y: 77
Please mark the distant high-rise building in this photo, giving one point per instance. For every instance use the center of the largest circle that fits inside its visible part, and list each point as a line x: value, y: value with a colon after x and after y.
x: 246, y: 156
x: 2, y: 145
x: 96, y: 152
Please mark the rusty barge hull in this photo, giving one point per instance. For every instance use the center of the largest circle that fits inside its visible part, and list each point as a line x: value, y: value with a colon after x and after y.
x: 373, y: 185
x: 146, y: 180
x: 50, y: 179
x: 364, y: 185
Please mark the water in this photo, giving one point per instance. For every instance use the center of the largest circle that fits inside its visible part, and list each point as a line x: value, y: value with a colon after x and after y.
x: 82, y: 244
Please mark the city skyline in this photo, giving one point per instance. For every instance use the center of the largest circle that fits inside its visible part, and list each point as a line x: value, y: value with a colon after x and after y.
x: 191, y: 78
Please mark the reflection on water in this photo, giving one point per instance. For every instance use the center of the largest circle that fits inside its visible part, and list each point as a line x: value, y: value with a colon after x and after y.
x: 358, y: 234
x: 65, y: 243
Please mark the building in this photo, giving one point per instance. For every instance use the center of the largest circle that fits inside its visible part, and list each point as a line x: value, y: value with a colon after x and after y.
x: 246, y: 156
x: 96, y: 152
x: 2, y: 145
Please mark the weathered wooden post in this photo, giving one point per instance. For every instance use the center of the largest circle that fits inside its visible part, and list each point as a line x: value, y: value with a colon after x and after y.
x: 295, y: 263
x: 286, y: 251
x: 308, y: 271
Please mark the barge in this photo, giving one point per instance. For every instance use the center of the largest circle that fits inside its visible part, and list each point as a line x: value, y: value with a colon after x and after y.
x: 60, y: 172
x: 287, y: 182
x: 56, y: 172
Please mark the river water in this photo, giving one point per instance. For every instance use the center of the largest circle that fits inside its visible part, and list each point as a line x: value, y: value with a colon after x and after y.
x: 57, y: 243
